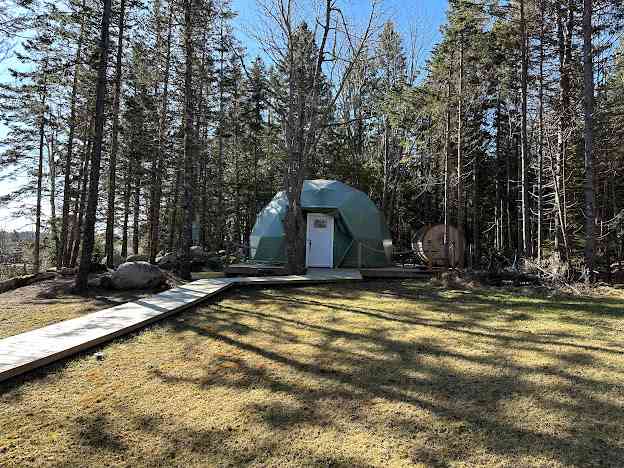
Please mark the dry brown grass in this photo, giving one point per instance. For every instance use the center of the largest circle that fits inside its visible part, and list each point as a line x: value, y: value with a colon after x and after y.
x: 51, y: 301
x: 376, y: 374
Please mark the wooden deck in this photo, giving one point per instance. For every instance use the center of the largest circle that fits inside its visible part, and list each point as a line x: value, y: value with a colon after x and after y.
x: 398, y: 272
x: 254, y: 269
x: 26, y: 351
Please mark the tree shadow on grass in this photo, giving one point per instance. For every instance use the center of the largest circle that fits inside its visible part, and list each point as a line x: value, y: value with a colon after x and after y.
x: 468, y: 324
x: 537, y: 301
x: 442, y: 396
x: 93, y: 431
x: 182, y: 444
x: 468, y: 404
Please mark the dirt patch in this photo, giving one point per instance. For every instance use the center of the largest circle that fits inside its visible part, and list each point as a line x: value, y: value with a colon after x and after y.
x: 51, y: 301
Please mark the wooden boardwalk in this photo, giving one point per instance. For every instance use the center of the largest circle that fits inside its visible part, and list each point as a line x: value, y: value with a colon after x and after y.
x: 26, y: 351
x: 392, y: 272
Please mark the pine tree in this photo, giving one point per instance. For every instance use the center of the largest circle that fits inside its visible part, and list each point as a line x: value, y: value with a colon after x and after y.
x: 26, y: 113
x: 88, y: 234
x: 112, y: 163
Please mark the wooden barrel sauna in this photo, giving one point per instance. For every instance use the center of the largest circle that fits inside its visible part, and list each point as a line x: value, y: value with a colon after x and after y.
x: 428, y: 243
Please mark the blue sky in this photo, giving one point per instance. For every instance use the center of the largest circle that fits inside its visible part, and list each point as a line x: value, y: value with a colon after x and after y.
x: 423, y: 16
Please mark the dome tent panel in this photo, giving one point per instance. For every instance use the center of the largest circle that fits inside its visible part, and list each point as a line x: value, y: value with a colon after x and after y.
x: 269, y: 220
x: 318, y: 194
x: 267, y: 237
x: 342, y: 242
x: 368, y: 227
x: 271, y: 250
x: 356, y: 221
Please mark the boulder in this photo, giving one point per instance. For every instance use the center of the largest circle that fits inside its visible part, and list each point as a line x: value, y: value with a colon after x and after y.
x: 137, y: 275
x: 94, y: 282
x: 198, y: 258
x: 101, y: 281
x: 198, y: 253
x: 106, y: 281
x: 66, y: 271
x: 117, y: 259
x: 167, y: 261
x: 137, y: 258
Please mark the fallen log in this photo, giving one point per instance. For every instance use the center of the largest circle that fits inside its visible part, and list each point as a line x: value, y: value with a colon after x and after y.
x: 25, y: 280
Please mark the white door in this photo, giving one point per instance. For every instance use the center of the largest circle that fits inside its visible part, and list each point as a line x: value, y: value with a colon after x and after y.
x: 320, y: 241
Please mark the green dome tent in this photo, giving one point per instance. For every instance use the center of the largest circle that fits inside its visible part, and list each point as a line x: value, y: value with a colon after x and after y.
x: 359, y: 236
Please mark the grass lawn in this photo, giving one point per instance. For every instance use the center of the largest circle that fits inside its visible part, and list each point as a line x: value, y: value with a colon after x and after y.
x: 51, y: 301
x: 370, y: 374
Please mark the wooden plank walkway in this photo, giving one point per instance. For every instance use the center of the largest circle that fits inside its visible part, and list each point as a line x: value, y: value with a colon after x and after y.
x: 26, y: 351
x: 392, y: 272
x: 396, y: 273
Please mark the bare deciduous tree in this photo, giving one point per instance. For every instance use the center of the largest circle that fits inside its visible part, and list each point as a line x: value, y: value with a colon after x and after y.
x: 339, y: 47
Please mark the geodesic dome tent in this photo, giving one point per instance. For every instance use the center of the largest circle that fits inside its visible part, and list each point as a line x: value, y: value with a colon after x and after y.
x: 360, y: 235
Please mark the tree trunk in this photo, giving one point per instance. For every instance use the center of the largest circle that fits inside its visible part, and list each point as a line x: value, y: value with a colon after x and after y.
x: 126, y: 209
x: 220, y: 186
x: 588, y: 104
x: 564, y: 36
x: 447, y: 157
x: 184, y: 263
x: 476, y: 205
x: 43, y: 104
x: 64, y: 255
x: 81, y: 200
x: 460, y: 117
x: 254, y: 202
x: 540, y: 164
x: 498, y: 207
x: 385, y: 194
x: 524, y: 184
x: 110, y: 213
x: 508, y: 189
x: 295, y: 230
x: 157, y: 170
x: 237, y: 204
x: 173, y: 203
x: 136, y: 209
x: 88, y: 235
x: 52, y: 180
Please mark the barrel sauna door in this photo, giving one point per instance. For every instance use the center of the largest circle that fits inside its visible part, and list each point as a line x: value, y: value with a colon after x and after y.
x: 428, y: 242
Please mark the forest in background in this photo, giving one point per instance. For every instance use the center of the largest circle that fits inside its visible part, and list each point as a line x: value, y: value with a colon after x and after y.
x: 137, y: 119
